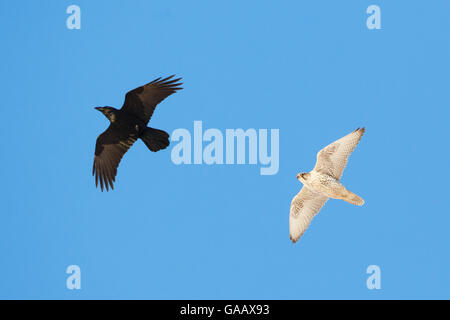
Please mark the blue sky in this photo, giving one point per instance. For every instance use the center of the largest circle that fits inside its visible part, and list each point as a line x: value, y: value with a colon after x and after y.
x: 221, y: 231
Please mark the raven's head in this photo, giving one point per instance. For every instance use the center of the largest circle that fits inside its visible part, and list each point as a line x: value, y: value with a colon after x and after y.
x: 109, y: 112
x: 302, y: 177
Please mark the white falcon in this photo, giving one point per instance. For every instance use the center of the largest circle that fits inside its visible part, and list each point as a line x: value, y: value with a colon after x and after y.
x: 323, y: 183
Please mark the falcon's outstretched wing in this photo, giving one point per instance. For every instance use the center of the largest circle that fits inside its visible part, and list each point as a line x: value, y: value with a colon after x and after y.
x: 333, y: 158
x: 142, y: 101
x: 110, y: 147
x: 304, y: 206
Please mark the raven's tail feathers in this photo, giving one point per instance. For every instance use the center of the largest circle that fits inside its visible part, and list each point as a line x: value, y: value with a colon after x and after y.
x: 155, y: 139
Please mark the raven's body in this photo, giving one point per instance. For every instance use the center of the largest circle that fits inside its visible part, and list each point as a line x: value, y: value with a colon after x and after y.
x: 125, y: 121
x: 129, y: 124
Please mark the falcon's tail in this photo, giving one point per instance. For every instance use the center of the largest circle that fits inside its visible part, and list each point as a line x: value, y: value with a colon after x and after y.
x: 352, y: 198
x: 155, y: 139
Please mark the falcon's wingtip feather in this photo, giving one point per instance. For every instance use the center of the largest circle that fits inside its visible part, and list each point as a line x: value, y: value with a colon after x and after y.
x: 361, y: 129
x: 293, y: 239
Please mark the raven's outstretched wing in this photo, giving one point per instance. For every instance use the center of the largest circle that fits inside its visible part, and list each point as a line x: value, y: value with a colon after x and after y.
x: 142, y: 101
x: 333, y: 158
x: 110, y: 147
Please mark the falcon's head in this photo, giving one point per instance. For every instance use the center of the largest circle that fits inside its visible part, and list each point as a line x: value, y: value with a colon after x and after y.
x: 302, y: 177
x: 109, y: 112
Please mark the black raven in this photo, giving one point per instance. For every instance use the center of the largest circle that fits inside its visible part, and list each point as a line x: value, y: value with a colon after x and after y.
x: 129, y: 124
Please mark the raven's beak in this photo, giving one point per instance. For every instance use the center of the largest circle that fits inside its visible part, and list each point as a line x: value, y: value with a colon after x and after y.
x: 98, y: 108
